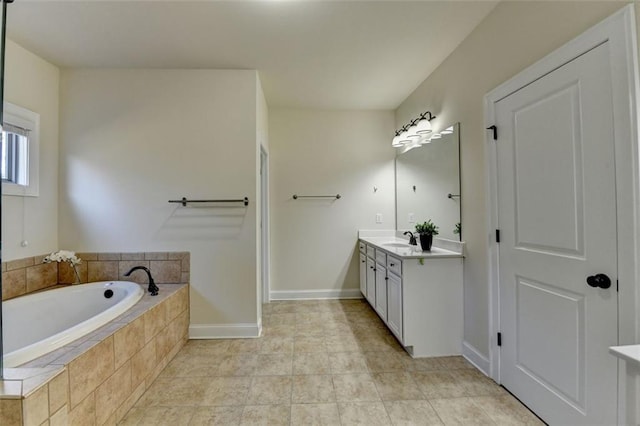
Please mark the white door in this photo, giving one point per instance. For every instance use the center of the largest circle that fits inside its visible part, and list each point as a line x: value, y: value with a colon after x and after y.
x: 557, y: 220
x: 363, y: 274
x: 381, y: 291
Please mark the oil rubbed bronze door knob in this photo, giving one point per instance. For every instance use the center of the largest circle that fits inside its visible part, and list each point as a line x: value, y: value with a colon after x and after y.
x: 599, y: 280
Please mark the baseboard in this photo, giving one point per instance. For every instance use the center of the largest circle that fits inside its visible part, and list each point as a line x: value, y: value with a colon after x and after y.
x: 474, y: 356
x: 227, y: 331
x: 353, y: 293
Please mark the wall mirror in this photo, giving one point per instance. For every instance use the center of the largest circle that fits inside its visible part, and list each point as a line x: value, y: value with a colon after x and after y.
x: 428, y: 185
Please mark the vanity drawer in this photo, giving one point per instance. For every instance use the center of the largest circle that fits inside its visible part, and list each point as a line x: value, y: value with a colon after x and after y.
x: 381, y: 257
x: 363, y: 247
x: 394, y: 265
x: 371, y: 252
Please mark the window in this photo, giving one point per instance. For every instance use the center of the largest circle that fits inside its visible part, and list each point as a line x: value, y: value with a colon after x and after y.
x: 19, y: 151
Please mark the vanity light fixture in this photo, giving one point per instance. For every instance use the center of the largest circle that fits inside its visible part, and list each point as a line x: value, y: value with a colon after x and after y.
x: 416, y: 133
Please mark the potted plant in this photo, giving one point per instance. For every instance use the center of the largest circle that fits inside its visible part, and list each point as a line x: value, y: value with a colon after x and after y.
x: 426, y: 231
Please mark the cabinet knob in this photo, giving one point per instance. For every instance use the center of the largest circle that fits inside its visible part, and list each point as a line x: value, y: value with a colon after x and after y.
x: 392, y: 264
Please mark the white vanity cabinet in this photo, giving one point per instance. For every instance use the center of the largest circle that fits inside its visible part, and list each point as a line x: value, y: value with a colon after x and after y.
x: 417, y: 294
x: 394, y: 305
x: 371, y: 281
x: 381, y: 291
x: 363, y: 274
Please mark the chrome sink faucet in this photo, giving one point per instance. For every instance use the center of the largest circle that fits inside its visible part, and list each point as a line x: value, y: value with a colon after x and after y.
x: 412, y: 238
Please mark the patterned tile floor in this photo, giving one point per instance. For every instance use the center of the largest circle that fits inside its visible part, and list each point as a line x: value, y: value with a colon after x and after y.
x: 321, y: 363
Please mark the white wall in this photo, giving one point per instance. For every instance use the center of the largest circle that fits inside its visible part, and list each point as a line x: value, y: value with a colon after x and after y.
x: 133, y: 139
x: 513, y: 36
x: 313, y: 242
x: 32, y: 83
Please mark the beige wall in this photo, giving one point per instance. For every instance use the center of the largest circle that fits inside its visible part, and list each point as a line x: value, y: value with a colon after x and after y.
x: 133, y: 139
x: 512, y: 37
x: 313, y: 243
x: 32, y: 83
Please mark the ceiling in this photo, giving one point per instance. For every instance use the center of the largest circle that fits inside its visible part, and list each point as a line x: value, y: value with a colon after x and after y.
x: 310, y: 54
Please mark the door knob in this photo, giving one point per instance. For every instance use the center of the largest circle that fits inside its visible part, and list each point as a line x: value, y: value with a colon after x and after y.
x: 599, y: 280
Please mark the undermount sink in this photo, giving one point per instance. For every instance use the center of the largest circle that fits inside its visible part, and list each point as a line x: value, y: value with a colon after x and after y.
x: 398, y: 245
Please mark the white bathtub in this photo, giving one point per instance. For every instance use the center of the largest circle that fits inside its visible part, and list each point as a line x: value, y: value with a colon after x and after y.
x: 39, y: 323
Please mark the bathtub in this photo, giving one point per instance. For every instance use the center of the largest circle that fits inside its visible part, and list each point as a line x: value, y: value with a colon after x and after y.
x: 36, y: 324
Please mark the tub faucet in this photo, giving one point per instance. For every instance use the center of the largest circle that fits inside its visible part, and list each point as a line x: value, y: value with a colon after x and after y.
x: 153, y: 288
x: 412, y: 238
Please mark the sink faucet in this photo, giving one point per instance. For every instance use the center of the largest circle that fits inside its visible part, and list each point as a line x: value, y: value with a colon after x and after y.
x: 153, y: 288
x: 412, y: 238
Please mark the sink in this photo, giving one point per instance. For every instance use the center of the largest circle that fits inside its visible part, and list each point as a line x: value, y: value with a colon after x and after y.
x: 398, y: 245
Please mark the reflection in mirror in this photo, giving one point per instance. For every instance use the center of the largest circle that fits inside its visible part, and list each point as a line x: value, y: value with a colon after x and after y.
x: 428, y: 185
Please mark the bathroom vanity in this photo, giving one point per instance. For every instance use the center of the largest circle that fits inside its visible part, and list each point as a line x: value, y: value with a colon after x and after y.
x: 417, y: 294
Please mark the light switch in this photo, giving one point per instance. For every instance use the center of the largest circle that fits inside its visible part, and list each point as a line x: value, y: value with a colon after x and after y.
x: 412, y: 218
x: 378, y: 217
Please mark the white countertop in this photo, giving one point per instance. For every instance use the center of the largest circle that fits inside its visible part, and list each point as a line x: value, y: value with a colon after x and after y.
x: 627, y: 352
x: 407, y: 251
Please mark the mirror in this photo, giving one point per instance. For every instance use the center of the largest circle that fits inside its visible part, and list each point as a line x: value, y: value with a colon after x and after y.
x: 428, y: 185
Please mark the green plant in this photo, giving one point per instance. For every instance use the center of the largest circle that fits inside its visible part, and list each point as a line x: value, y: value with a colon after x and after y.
x: 458, y: 228
x: 427, y: 228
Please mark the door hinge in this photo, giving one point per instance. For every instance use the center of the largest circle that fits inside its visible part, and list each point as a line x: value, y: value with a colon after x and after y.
x: 497, y: 235
x: 495, y: 132
x: 499, y: 339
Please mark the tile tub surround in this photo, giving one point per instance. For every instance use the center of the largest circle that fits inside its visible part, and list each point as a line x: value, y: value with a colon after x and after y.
x: 28, y: 275
x: 96, y: 379
x: 329, y: 362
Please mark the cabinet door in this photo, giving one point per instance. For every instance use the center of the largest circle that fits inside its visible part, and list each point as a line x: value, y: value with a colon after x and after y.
x: 394, y: 292
x: 363, y: 274
x: 371, y: 282
x: 381, y: 291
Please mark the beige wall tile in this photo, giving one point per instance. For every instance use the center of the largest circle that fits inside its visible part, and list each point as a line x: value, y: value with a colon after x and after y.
x: 112, y: 393
x: 20, y: 263
x: 156, y: 256
x: 186, y: 263
x: 185, y: 278
x: 3, y: 266
x: 11, y: 412
x: 154, y: 320
x: 128, y: 340
x: 14, y: 283
x: 142, y: 363
x: 35, y: 408
x: 108, y: 256
x: 60, y: 418
x: 102, y: 271
x: 67, y: 276
x: 87, y: 256
x: 130, y: 401
x: 176, y: 255
x: 59, y: 391
x: 89, y: 370
x: 168, y: 271
x: 84, y: 414
x: 41, y: 276
x: 139, y: 276
x: 131, y: 256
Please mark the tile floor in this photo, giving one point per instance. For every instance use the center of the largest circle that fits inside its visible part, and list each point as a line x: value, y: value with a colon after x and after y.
x: 321, y: 363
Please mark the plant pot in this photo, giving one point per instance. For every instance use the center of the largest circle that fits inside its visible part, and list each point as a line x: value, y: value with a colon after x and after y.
x: 425, y: 241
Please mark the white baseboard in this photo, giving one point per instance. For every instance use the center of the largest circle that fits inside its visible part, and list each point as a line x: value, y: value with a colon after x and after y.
x: 474, y: 356
x: 227, y: 331
x: 353, y: 293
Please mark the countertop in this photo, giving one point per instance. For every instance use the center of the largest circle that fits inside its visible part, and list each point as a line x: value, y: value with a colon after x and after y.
x: 409, y: 252
x: 627, y: 352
